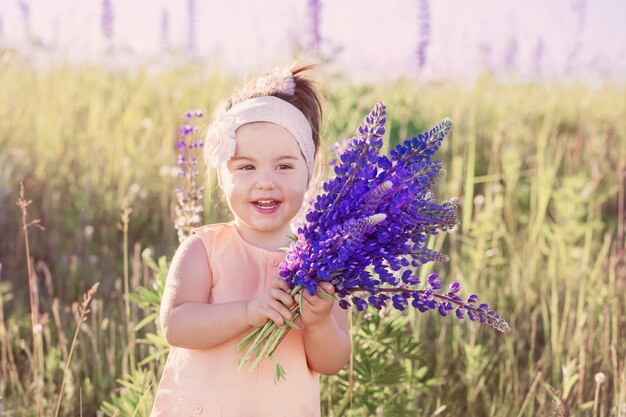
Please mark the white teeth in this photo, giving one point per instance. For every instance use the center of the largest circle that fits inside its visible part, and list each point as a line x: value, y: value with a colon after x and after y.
x: 266, y: 204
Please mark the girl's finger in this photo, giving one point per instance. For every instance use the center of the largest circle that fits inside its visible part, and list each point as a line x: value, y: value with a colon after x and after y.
x: 327, y: 287
x: 282, y: 296
x: 280, y: 309
x: 275, y: 317
x: 308, y: 297
x: 280, y: 284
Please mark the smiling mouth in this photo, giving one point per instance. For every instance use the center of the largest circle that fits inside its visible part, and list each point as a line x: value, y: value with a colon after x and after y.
x: 266, y: 204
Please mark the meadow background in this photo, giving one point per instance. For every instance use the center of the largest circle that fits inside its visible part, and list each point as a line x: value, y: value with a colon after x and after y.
x: 537, y: 157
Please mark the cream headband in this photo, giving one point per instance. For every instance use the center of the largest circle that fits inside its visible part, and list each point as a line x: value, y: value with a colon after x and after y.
x: 220, y: 143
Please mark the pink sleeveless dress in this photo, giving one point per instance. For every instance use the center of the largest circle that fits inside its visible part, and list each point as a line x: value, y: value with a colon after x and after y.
x: 205, y: 383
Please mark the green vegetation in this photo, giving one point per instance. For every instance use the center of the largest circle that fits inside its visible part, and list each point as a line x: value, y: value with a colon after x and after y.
x: 539, y: 169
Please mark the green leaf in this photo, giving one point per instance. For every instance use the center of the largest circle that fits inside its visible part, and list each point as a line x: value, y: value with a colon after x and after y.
x: 291, y: 324
x: 325, y: 295
x: 143, y: 323
x: 157, y: 339
x: 421, y: 372
x: 153, y: 265
x: 154, y: 356
x: 279, y: 373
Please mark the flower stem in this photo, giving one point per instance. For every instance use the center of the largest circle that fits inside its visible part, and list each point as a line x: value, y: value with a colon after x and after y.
x: 264, y: 340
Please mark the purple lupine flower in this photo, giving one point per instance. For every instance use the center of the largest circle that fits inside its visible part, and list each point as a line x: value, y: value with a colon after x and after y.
x: 315, y: 12
x: 189, y: 195
x: 510, y: 54
x: 107, y: 19
x: 191, y: 28
x: 367, y: 232
x: 424, y: 34
x: 165, y: 29
x: 24, y: 8
x: 579, y: 7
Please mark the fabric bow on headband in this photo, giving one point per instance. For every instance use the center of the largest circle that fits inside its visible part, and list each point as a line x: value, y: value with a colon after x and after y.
x: 220, y: 143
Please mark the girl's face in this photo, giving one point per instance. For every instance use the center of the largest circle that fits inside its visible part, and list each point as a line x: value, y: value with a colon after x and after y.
x: 265, y: 181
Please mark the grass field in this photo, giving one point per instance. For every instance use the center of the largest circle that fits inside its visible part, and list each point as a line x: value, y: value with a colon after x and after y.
x: 539, y: 169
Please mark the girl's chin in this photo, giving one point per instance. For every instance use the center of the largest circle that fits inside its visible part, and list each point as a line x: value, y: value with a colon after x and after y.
x: 269, y: 225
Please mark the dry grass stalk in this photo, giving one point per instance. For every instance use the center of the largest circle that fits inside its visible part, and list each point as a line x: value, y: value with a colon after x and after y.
x: 33, y: 292
x: 560, y: 404
x: 130, y: 333
x: 61, y: 333
x: 600, y: 378
x: 83, y: 312
x: 7, y: 364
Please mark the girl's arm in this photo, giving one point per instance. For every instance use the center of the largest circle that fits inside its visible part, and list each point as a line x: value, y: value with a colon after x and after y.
x: 190, y: 322
x: 326, y: 338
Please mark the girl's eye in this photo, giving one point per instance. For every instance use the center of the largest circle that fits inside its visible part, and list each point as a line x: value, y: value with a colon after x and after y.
x: 246, y: 167
x: 284, y: 166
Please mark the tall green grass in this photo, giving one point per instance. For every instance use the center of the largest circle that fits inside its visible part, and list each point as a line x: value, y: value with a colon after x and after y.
x: 539, y: 169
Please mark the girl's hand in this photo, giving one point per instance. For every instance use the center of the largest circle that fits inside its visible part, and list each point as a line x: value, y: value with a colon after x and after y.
x: 273, y: 304
x: 315, y: 309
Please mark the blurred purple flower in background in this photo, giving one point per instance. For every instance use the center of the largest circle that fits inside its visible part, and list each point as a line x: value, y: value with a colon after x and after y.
x: 431, y: 40
x: 165, y: 29
x: 191, y: 26
x: 24, y: 8
x: 510, y: 54
x: 107, y: 19
x: 189, y: 194
x: 315, y: 12
x: 424, y: 34
x: 579, y: 7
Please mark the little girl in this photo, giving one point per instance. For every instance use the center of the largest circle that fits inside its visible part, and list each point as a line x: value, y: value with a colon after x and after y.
x: 224, y: 280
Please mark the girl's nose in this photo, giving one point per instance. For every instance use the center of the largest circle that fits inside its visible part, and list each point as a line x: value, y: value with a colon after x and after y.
x: 265, y: 182
x: 265, y: 185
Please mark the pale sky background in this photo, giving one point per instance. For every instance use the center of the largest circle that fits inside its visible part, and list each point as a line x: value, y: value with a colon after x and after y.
x: 366, y: 39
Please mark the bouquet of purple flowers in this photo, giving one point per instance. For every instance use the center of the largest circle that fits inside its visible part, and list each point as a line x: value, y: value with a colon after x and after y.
x: 366, y: 234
